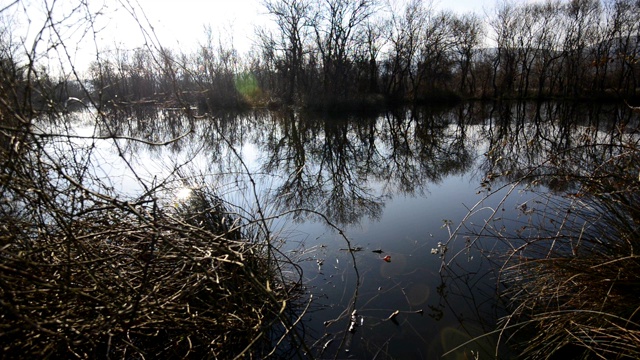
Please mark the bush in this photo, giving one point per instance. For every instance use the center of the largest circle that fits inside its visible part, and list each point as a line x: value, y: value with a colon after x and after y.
x: 88, y: 273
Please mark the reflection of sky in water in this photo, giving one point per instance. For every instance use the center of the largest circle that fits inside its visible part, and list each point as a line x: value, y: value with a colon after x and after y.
x: 409, y: 228
x: 436, y: 309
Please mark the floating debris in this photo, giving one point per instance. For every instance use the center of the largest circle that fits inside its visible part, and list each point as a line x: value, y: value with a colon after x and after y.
x: 326, y: 345
x: 392, y: 317
x: 441, y: 249
x: 329, y: 322
x: 387, y: 258
x: 353, y: 249
x: 354, y: 321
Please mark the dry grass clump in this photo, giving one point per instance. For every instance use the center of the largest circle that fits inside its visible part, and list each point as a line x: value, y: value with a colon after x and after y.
x: 84, y: 274
x: 573, y: 287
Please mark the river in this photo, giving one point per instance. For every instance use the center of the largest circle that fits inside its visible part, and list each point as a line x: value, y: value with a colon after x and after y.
x: 371, y: 207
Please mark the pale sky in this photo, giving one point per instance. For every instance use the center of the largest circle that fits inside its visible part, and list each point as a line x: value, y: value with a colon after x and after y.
x: 178, y: 24
x: 181, y: 22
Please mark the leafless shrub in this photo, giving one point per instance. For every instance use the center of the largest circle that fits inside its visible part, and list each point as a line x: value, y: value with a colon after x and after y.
x: 87, y: 271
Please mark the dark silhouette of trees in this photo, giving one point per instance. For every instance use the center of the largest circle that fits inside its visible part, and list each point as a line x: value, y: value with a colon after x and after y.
x: 435, y: 61
x: 349, y: 53
x: 405, y: 34
x: 621, y: 48
x: 469, y: 32
x: 572, y: 50
x: 581, y: 19
x: 338, y: 27
x: 293, y: 19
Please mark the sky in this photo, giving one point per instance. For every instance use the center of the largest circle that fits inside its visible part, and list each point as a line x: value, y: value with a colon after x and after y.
x: 178, y: 24
x: 182, y: 22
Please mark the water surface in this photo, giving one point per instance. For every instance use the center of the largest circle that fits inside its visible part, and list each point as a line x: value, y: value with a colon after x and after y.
x: 344, y: 192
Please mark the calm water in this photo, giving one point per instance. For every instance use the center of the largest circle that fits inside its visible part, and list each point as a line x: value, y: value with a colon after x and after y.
x: 397, y: 183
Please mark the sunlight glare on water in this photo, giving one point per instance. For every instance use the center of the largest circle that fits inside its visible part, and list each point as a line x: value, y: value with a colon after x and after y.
x: 396, y: 186
x: 183, y: 194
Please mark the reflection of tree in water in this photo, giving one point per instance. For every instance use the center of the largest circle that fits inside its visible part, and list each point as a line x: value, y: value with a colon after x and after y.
x: 344, y: 167
x: 324, y: 165
x: 422, y: 147
x: 466, y: 299
x: 552, y: 144
x: 208, y: 136
x: 347, y: 167
x: 540, y: 155
x: 335, y: 165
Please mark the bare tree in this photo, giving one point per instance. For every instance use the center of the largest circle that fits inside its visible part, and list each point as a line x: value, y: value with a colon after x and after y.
x: 293, y: 18
x: 547, y: 43
x: 336, y: 27
x: 434, y: 72
x: 582, y: 18
x: 468, y: 32
x: 373, y: 43
x: 405, y: 38
x: 504, y: 63
x: 622, y: 50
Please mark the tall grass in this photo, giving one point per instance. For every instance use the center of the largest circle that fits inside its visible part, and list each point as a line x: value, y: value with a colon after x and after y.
x: 572, y: 288
x: 567, y: 264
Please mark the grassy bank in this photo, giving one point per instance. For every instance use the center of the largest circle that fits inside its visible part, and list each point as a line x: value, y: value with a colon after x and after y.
x: 572, y: 288
x: 561, y: 229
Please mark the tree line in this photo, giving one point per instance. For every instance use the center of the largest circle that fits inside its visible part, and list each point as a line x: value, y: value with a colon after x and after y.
x: 335, y: 53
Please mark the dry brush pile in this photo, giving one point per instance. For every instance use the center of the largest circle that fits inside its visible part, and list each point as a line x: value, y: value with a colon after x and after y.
x: 86, y: 273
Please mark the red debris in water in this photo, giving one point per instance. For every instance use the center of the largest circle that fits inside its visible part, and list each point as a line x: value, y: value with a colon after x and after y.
x: 387, y: 258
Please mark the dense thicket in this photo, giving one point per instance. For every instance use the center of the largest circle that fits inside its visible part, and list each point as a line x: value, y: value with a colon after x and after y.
x: 361, y: 52
x: 95, y: 265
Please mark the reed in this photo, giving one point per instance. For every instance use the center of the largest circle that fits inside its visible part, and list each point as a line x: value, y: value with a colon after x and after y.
x: 572, y: 284
x: 567, y: 264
